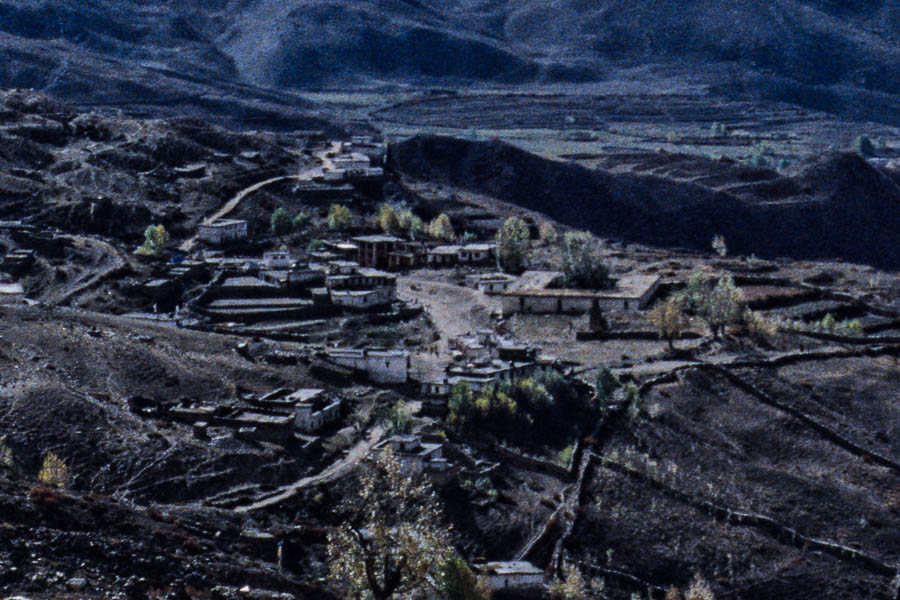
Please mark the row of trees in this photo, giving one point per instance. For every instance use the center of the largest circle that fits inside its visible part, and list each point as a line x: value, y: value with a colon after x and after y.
x: 717, y: 301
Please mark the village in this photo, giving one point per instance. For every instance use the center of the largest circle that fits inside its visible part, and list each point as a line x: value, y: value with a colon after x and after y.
x: 407, y: 320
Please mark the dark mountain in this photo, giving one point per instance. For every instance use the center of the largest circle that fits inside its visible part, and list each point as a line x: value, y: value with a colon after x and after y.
x: 823, y: 212
x: 828, y: 54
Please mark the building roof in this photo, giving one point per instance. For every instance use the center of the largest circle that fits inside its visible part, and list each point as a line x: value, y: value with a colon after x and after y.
x: 224, y: 223
x: 305, y: 394
x: 534, y: 280
x: 445, y: 250
x: 509, y: 567
x: 629, y: 287
x: 479, y: 247
x: 376, y: 239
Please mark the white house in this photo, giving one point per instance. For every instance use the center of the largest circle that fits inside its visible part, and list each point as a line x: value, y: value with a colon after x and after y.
x: 382, y: 366
x: 223, y: 231
x: 278, y: 259
x: 415, y: 453
x: 476, y: 253
x: 314, y: 409
x: 533, y: 293
x: 443, y: 255
x: 490, y: 283
x: 509, y: 574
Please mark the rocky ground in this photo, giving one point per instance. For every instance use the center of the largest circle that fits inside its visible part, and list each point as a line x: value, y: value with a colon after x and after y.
x: 766, y: 464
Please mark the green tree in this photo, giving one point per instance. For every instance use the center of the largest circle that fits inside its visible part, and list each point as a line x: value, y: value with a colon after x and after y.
x: 339, y: 217
x: 455, y: 580
x: 155, y: 240
x: 571, y: 586
x: 583, y: 265
x: 460, y: 403
x: 718, y: 244
x: 441, y: 228
x: 397, y: 419
x: 281, y: 223
x: 547, y: 233
x: 722, y: 306
x: 605, y: 384
x: 300, y: 221
x: 393, y: 538
x: 513, y: 245
x: 864, y: 146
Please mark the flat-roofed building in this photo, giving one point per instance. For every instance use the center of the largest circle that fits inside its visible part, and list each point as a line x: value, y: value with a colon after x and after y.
x: 223, y: 231
x: 533, y: 293
x: 375, y: 250
x: 502, y: 575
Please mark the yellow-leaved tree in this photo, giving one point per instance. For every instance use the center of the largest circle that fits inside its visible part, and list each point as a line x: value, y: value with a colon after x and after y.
x: 393, y: 537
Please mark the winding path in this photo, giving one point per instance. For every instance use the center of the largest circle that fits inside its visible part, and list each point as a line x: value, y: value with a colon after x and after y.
x: 305, y: 175
x: 335, y: 471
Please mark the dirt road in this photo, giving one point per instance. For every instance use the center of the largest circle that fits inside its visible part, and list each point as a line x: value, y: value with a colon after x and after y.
x: 305, y: 175
x: 337, y: 470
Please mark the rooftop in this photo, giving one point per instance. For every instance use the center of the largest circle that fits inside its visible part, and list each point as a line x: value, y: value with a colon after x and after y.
x: 630, y: 287
x: 510, y: 567
x: 376, y: 239
x: 225, y: 223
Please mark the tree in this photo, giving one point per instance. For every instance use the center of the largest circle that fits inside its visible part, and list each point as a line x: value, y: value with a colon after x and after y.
x: 54, y: 471
x: 722, y: 306
x: 441, y: 228
x: 460, y: 403
x: 339, y: 217
x: 718, y: 244
x: 387, y: 219
x: 605, y: 384
x: 393, y: 538
x: 864, y: 146
x: 396, y: 419
x: 572, y: 586
x: 547, y: 232
x: 455, y: 580
x: 513, y: 244
x: 669, y: 319
x: 583, y: 265
x: 155, y: 239
x: 300, y: 221
x: 281, y: 223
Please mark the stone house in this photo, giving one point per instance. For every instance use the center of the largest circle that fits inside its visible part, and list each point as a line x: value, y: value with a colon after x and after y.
x: 533, y: 293
x: 490, y: 283
x: 476, y: 253
x: 443, y: 255
x: 375, y: 250
x: 509, y: 574
x: 314, y: 409
x: 223, y: 231
x: 416, y: 454
x: 381, y: 366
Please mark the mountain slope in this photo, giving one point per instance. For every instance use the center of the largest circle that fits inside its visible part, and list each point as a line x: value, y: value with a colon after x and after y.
x: 830, y: 54
x: 823, y: 212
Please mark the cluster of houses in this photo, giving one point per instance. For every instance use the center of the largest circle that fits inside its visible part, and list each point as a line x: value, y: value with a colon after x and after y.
x: 393, y: 253
x: 282, y: 417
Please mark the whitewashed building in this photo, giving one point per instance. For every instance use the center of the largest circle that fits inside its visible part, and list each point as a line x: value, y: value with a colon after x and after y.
x: 314, y: 409
x: 511, y: 574
x: 223, y: 231
x: 382, y: 366
x: 533, y: 293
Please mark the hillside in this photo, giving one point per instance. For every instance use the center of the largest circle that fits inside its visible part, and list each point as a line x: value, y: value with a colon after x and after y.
x: 822, y: 212
x: 240, y: 59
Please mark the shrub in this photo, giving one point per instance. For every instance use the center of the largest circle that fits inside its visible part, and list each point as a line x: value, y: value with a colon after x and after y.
x: 387, y: 219
x: 864, y: 146
x: 718, y: 305
x: 441, y: 228
x: 455, y: 580
x: 572, y: 586
x: 565, y: 455
x: 547, y: 232
x: 605, y: 384
x: 396, y: 420
x: 300, y: 221
x: 54, y: 472
x: 583, y: 265
x: 513, y: 245
x: 669, y: 319
x: 281, y: 223
x: 699, y: 590
x: 718, y: 244
x: 339, y: 217
x: 315, y: 245
x: 6, y: 454
x: 155, y: 239
x: 759, y: 326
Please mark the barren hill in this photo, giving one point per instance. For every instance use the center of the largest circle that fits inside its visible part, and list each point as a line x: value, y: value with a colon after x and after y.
x: 823, y: 212
x: 239, y: 57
